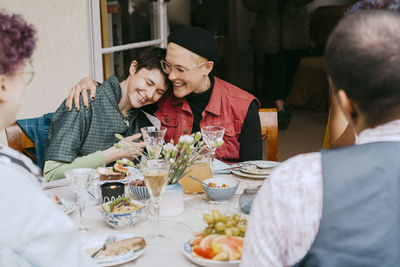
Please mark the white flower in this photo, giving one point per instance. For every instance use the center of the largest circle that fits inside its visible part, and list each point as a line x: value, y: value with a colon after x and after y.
x: 186, y: 139
x: 171, y: 160
x: 169, y: 147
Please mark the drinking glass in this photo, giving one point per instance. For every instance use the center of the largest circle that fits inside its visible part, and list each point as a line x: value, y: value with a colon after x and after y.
x: 153, y: 137
x: 81, y: 179
x: 210, y: 135
x: 155, y: 172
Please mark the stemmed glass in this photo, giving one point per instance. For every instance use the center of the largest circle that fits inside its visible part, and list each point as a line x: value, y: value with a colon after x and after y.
x: 211, y: 134
x: 153, y: 137
x: 155, y: 172
x: 81, y: 179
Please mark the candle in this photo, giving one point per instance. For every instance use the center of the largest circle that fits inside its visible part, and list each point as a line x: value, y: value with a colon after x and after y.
x: 112, y: 191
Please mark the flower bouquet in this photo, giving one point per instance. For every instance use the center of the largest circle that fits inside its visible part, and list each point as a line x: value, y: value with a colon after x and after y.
x: 183, y: 154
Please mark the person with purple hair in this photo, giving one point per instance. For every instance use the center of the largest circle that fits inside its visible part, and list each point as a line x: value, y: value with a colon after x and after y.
x: 35, y: 232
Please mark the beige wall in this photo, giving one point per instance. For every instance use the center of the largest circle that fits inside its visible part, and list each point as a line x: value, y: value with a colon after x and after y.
x: 62, y: 54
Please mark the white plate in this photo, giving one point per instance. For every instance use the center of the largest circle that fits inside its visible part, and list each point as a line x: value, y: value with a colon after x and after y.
x: 68, y: 206
x: 262, y: 164
x: 96, y: 241
x: 187, y: 251
x: 242, y: 174
x: 251, y: 169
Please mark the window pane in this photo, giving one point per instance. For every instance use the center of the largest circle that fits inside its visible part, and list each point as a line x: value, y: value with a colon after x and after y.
x: 126, y: 21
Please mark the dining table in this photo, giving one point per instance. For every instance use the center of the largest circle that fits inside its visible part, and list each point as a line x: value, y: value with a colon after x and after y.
x: 178, y: 229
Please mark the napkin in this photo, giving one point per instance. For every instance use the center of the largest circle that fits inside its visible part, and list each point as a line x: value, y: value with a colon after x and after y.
x: 220, y: 167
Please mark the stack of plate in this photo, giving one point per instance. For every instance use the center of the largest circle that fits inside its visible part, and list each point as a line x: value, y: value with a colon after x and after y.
x: 256, y: 169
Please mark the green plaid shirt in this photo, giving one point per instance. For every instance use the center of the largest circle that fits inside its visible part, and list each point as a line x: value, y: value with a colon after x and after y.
x: 74, y: 133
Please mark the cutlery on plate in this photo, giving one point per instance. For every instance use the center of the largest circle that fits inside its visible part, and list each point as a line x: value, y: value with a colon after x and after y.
x: 110, y: 239
x: 228, y: 169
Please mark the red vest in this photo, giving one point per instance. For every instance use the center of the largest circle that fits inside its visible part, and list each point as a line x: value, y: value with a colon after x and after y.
x: 227, y: 107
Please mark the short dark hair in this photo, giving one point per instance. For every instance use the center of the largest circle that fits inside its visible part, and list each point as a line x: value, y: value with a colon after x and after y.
x: 149, y: 58
x: 363, y: 59
x: 374, y: 4
x: 17, y: 42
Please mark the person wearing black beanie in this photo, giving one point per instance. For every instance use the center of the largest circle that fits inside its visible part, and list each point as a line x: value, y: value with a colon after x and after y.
x: 200, y: 99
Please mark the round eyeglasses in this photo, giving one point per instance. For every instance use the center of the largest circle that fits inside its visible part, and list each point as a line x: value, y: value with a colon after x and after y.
x: 180, y: 70
x: 28, y: 73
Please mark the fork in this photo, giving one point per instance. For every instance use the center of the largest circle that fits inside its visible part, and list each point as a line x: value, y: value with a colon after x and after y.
x: 110, y: 239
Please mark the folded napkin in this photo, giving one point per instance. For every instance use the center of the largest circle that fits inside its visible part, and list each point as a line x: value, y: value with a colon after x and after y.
x: 221, y: 167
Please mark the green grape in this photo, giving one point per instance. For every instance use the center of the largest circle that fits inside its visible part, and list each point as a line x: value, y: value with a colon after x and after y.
x: 207, y: 231
x: 243, y: 221
x: 228, y: 231
x: 223, y: 218
x: 220, y: 226
x: 208, y: 218
x: 213, y: 231
x: 215, y: 211
x: 236, y: 217
x: 215, y: 215
x: 241, y: 227
x: 235, y: 231
x: 230, y: 223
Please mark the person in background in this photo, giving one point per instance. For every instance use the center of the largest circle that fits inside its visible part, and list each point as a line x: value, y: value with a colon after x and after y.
x: 282, y: 34
x: 86, y: 138
x: 341, y: 132
x: 340, y: 207
x: 199, y: 98
x: 35, y: 232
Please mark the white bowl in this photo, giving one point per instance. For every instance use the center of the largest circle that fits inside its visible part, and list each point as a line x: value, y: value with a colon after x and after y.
x: 119, y: 220
x: 223, y: 193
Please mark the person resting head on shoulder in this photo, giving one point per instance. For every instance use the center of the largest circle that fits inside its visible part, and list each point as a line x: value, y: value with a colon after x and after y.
x: 200, y: 99
x: 86, y: 137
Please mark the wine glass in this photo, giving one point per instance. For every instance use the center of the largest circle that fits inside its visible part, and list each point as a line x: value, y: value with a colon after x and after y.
x: 155, y: 172
x: 81, y: 179
x: 153, y: 137
x: 211, y: 134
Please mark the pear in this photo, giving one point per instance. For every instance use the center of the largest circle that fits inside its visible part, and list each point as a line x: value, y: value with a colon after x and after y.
x: 223, y: 256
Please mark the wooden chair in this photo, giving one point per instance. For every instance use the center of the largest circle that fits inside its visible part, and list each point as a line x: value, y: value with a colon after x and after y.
x: 19, y: 141
x: 269, y: 131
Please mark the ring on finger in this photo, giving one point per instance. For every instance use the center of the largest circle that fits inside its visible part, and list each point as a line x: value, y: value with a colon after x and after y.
x: 84, y: 90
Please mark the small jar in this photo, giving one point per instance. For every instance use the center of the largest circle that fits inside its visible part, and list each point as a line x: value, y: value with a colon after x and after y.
x: 246, y: 199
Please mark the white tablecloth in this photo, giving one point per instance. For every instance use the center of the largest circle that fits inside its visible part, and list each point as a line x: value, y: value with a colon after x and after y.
x: 179, y: 228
